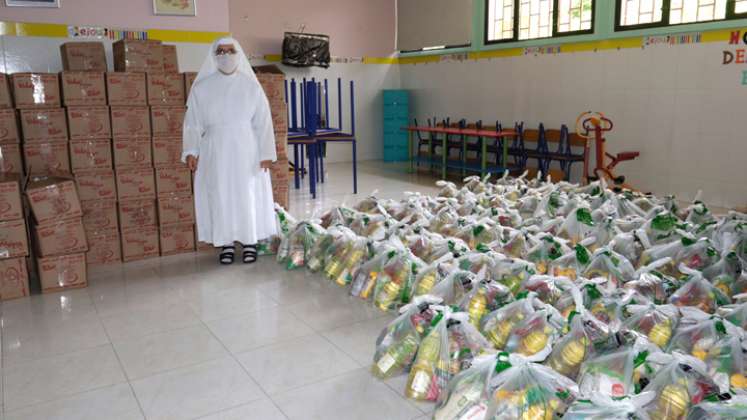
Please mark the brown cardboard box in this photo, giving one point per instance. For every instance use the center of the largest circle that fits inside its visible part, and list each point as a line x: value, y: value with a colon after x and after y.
x: 138, y: 55
x: 173, y: 180
x: 6, y: 100
x: 136, y: 214
x: 170, y: 60
x: 176, y: 210
x: 126, y: 89
x: 203, y: 246
x: 43, y: 125
x: 10, y: 158
x: 44, y: 158
x: 90, y: 154
x: 189, y: 80
x: 9, y: 127
x: 36, y: 90
x: 10, y: 198
x: 279, y: 179
x: 167, y: 121
x: 139, y: 244
x: 130, y: 122
x: 167, y: 151
x: 60, y: 237
x: 165, y: 89
x: 98, y: 184
x: 89, y: 122
x: 62, y: 272
x: 135, y: 183
x: 14, y: 241
x: 177, y: 239
x: 83, y: 56
x: 14, y: 278
x: 99, y: 215
x: 132, y: 153
x: 83, y: 88
x: 104, y: 247
x: 52, y: 199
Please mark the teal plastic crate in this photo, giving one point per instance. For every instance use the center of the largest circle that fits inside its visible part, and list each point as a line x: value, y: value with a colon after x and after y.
x: 396, y: 115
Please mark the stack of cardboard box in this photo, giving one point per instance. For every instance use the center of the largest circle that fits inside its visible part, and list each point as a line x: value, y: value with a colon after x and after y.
x: 14, y: 279
x: 58, y: 233
x: 272, y: 80
x: 10, y: 136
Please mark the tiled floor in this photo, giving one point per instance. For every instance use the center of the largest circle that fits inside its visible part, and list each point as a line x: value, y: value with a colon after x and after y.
x: 184, y: 338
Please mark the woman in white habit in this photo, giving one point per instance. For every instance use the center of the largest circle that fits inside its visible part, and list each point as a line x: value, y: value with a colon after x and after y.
x: 229, y: 142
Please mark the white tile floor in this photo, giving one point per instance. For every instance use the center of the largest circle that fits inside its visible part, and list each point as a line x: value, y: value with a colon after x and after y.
x: 184, y: 338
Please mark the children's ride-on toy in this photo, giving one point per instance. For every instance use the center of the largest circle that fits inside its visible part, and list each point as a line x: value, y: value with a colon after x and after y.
x: 592, y: 126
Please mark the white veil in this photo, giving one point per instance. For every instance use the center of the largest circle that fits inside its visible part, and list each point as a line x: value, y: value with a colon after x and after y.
x: 209, y: 67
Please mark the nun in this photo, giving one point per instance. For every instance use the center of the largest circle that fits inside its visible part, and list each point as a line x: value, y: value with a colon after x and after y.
x: 229, y: 144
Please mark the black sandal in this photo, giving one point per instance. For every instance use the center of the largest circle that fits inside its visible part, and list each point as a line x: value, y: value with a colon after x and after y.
x: 250, y: 254
x: 226, y: 255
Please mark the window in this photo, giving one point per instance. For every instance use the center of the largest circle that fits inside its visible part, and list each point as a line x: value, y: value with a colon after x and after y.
x: 512, y: 20
x: 633, y: 14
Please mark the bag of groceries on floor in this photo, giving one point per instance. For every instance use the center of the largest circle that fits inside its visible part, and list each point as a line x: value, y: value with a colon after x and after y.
x: 295, y: 248
x: 547, y: 250
x: 604, y: 407
x: 655, y: 322
x: 662, y: 228
x: 365, y: 276
x: 394, y: 283
x: 465, y: 342
x: 456, y: 286
x: 652, y: 284
x: 431, y: 275
x: 717, y: 409
x: 696, y: 255
x: 371, y: 226
x: 344, y: 255
x: 398, y: 342
x: 698, y: 292
x: 430, y: 371
x: 726, y: 275
x: 572, y: 264
x: 680, y: 384
x: 511, y: 272
x: 477, y: 234
x: 611, y: 266
x: 515, y: 245
x: 736, y: 314
x: 485, y: 297
x: 577, y: 226
x: 549, y: 289
x: 338, y: 216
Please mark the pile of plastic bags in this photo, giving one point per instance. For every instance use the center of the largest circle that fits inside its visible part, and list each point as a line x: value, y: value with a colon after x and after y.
x: 524, y: 299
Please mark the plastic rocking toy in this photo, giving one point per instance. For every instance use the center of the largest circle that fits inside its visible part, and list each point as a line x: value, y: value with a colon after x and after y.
x: 592, y: 126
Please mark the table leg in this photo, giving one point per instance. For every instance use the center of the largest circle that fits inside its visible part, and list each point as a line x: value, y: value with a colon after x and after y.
x: 464, y: 156
x: 355, y: 167
x: 483, y: 157
x: 322, y: 147
x: 303, y: 161
x: 444, y: 156
x: 312, y: 169
x: 505, y: 154
x: 410, y: 154
x: 296, y: 178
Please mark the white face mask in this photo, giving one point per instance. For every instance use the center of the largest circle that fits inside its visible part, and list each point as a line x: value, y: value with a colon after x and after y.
x: 227, y: 63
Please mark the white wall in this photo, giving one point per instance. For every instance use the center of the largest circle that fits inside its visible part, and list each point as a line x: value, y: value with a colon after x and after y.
x: 678, y: 105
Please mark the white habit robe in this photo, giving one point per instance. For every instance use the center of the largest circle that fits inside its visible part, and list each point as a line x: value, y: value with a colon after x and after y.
x: 229, y: 127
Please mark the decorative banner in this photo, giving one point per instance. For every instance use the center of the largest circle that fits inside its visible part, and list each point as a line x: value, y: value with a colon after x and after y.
x: 737, y: 55
x: 551, y: 49
x: 99, y: 32
x: 677, y: 39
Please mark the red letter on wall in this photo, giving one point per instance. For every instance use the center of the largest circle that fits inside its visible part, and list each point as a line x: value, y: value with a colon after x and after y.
x: 740, y: 57
x: 734, y: 39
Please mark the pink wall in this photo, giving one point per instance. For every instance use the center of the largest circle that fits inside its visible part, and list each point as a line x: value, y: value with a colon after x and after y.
x: 212, y: 15
x: 356, y: 27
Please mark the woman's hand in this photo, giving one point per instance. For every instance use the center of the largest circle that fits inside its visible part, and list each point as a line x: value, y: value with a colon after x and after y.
x: 265, y: 165
x: 192, y: 162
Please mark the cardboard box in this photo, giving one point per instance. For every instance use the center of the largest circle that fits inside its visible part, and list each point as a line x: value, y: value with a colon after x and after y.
x: 53, y: 198
x: 43, y: 125
x: 177, y: 239
x: 170, y: 60
x: 104, y: 247
x: 99, y: 215
x: 10, y: 159
x: 126, y: 89
x: 167, y: 151
x: 83, y: 88
x: 14, y: 278
x: 203, y: 246
x: 36, y: 90
x: 135, y: 183
x: 14, y: 241
x: 60, y: 237
x: 90, y: 154
x: 62, y: 272
x: 6, y: 99
x: 189, y: 80
x: 176, y: 210
x: 9, y: 133
x: 138, y: 55
x: 45, y: 158
x: 279, y: 178
x: 132, y: 153
x: 173, y: 180
x: 89, y: 122
x: 139, y: 244
x: 165, y: 89
x: 136, y: 214
x: 83, y: 56
x: 96, y: 185
x: 130, y: 122
x: 167, y: 121
x: 10, y: 198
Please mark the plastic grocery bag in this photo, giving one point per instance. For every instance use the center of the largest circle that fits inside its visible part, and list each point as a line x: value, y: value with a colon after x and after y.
x: 547, y: 250
x: 577, y: 226
x: 736, y: 314
x: 696, y: 255
x: 430, y: 372
x: 614, y: 372
x: 698, y: 292
x: 477, y: 234
x: 511, y: 272
x: 365, y: 277
x: 398, y: 342
x: 661, y: 228
x: 577, y: 345
x: 344, y: 257
x: 609, y: 265
x: 604, y: 407
x: 455, y: 286
x: 655, y: 322
x: 465, y: 342
x: 485, y: 297
x: 515, y: 245
x: 431, y: 275
x: 372, y: 226
x: 572, y: 264
x: 394, y: 283
x: 338, y: 216
x: 652, y: 284
x: 469, y: 392
x: 725, y: 275
x: 295, y: 249
x: 713, y: 409
x: 549, y: 289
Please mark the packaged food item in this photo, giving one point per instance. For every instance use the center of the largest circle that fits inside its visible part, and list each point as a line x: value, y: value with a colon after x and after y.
x: 572, y: 264
x: 655, y: 322
x: 547, y: 250
x: 578, y: 344
x: 394, y: 282
x: 295, y: 248
x: 609, y: 265
x: 698, y: 292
